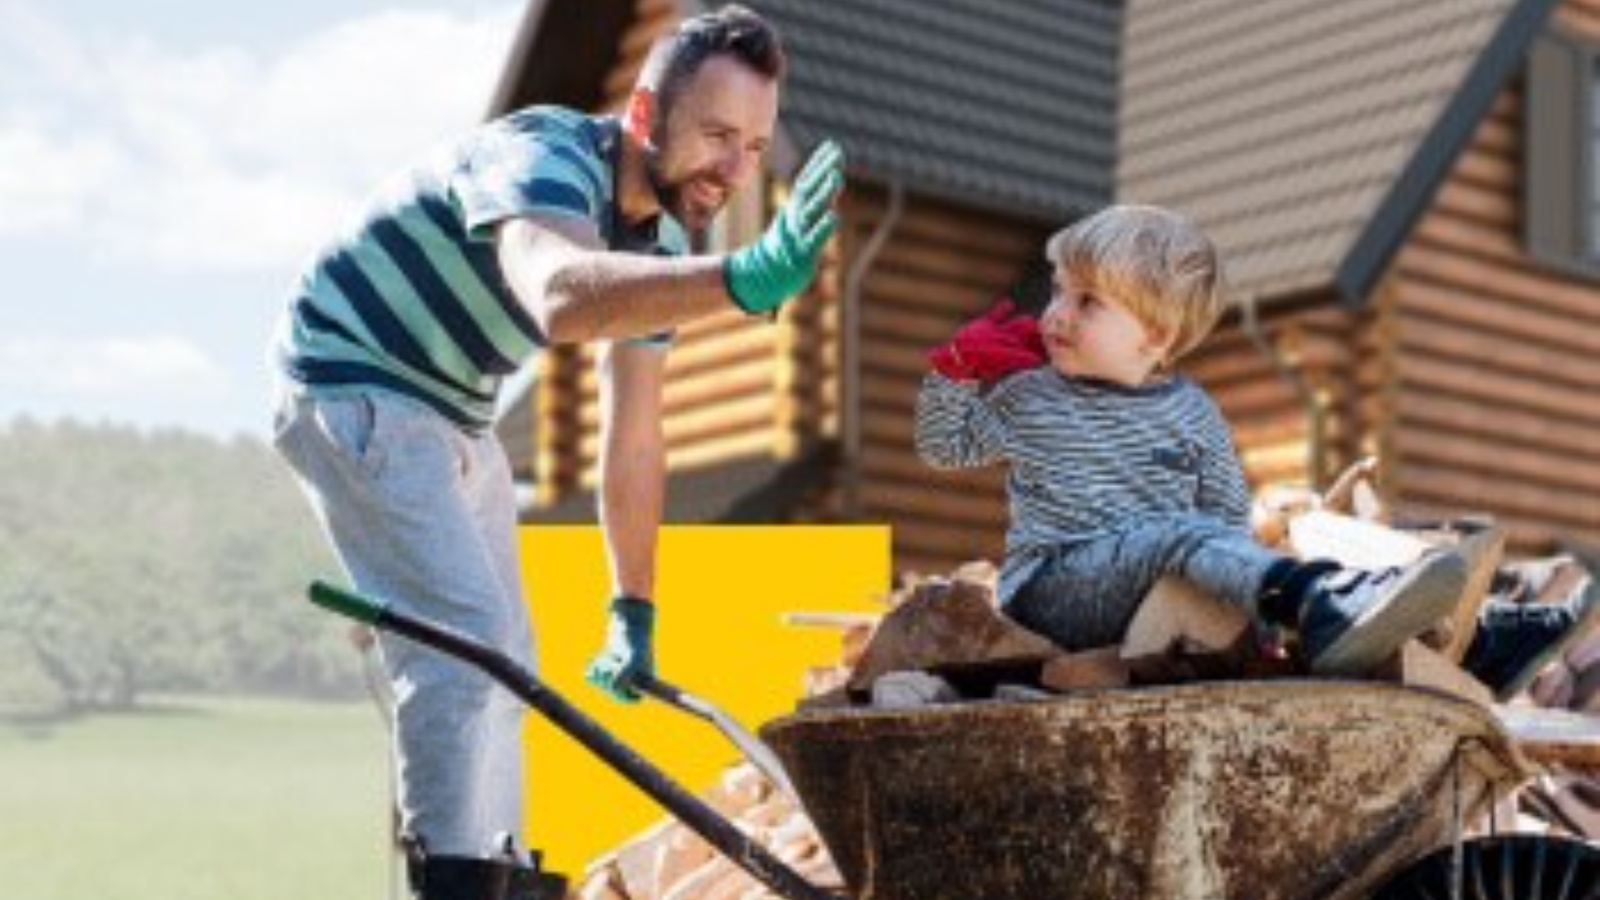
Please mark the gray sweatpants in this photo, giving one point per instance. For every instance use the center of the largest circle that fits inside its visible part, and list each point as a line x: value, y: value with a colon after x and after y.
x: 422, y: 514
x: 1085, y: 594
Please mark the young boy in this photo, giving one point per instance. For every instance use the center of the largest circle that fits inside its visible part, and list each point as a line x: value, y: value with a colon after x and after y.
x: 1121, y: 472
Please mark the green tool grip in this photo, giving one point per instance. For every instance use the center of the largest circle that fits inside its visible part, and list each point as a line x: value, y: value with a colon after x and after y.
x: 347, y: 603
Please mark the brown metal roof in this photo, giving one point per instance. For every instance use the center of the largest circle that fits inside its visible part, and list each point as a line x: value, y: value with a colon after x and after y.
x: 1007, y: 106
x: 1306, y: 136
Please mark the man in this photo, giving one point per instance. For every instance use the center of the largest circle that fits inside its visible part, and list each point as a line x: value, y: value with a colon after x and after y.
x: 545, y: 227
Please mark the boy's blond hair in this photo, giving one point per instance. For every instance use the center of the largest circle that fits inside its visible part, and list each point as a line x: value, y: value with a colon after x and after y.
x: 1153, y: 261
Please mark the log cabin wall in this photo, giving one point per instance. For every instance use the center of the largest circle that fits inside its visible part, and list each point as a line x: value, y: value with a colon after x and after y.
x: 942, y: 264
x: 1495, y: 381
x: 1265, y: 412
x: 1338, y: 366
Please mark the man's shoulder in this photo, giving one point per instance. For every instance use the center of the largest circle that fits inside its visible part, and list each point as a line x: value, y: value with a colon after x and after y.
x: 556, y: 125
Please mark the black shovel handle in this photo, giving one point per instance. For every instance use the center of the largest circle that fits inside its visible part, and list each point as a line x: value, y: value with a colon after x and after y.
x: 689, y: 809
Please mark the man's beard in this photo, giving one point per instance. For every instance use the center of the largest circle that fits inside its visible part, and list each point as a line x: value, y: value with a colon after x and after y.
x: 670, y: 195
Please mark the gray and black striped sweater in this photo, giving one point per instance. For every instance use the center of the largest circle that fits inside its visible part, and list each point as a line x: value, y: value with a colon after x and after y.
x: 1087, y: 458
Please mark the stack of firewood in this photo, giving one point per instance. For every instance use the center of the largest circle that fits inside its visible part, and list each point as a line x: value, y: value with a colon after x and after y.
x: 670, y: 862
x: 1567, y: 798
x: 943, y: 639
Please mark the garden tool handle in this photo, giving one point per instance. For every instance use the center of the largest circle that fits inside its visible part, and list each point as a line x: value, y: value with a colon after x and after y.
x: 689, y: 809
x: 669, y: 694
x: 758, y: 753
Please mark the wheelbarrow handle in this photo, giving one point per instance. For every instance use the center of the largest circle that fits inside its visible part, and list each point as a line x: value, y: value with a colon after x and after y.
x: 689, y: 809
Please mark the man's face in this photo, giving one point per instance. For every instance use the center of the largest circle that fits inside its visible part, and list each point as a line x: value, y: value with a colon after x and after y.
x: 712, y: 140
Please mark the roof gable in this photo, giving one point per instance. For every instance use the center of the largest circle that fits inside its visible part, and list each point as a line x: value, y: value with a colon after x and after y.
x: 1306, y: 137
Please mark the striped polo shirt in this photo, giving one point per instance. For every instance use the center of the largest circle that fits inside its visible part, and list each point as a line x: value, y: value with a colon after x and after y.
x: 411, y: 298
x: 1087, y: 458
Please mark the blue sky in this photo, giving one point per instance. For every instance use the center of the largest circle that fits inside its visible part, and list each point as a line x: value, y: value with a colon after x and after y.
x: 166, y: 165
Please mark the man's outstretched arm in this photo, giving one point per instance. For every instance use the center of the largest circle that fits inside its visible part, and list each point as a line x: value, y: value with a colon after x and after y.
x: 579, y: 292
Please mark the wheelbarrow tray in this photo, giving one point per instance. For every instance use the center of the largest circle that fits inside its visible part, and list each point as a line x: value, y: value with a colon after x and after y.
x: 1297, y: 790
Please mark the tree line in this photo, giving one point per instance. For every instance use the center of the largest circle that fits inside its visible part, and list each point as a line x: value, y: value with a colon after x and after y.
x: 134, y: 561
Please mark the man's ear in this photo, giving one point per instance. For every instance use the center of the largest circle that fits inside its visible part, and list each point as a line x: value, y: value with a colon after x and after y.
x: 641, y: 115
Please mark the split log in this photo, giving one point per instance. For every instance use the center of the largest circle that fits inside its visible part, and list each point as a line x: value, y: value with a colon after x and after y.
x: 910, y: 690
x: 1343, y: 498
x: 945, y: 627
x: 679, y: 853
x: 1482, y: 550
x: 603, y: 883
x: 1351, y: 542
x: 1418, y: 665
x: 1102, y: 667
x: 1177, y: 612
x: 1181, y: 633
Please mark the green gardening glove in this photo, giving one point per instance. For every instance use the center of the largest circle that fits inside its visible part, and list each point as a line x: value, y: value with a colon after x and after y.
x: 763, y: 275
x: 628, y: 652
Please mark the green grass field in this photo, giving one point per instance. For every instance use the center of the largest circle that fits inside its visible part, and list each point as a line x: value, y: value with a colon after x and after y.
x: 197, y: 799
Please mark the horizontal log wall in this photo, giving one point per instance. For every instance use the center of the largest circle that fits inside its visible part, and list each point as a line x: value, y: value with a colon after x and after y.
x: 942, y: 264
x: 736, y: 386
x: 1497, y: 384
x: 1266, y: 414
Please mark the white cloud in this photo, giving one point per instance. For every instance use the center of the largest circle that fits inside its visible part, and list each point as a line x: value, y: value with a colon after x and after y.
x: 223, y: 158
x: 111, y: 368
x: 48, y: 185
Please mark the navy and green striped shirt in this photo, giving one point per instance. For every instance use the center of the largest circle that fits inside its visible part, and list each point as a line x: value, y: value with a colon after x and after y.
x: 412, y: 299
x: 1088, y: 458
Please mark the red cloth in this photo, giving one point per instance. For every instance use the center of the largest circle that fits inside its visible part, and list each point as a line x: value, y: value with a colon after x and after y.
x: 1001, y: 342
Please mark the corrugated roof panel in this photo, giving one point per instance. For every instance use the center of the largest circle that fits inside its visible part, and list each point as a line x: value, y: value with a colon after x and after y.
x: 1009, y: 106
x: 1281, y: 127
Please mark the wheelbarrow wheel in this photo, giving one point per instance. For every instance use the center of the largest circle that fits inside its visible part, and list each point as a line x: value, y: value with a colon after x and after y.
x: 1506, y: 867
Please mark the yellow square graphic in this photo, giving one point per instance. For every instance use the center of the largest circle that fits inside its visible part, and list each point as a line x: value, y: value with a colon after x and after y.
x: 722, y: 591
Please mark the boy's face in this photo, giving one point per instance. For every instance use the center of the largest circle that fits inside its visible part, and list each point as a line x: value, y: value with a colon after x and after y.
x: 1092, y: 335
x: 712, y: 140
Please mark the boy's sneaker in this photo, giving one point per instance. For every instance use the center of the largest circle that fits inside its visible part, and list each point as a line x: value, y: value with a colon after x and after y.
x: 1354, y: 620
x: 1516, y: 641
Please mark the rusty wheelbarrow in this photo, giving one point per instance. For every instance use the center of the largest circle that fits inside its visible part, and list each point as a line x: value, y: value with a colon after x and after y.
x: 1259, y: 790
x: 1252, y: 790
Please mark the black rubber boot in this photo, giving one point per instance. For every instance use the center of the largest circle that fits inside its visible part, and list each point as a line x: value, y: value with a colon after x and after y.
x: 528, y: 880
x: 535, y: 884
x: 459, y: 878
x: 505, y: 877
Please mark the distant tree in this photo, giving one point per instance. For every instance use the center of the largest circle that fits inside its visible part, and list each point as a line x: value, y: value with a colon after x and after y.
x: 133, y: 562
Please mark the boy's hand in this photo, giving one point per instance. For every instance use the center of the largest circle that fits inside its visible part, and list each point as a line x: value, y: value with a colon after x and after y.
x: 764, y: 275
x: 629, y: 650
x: 999, y: 343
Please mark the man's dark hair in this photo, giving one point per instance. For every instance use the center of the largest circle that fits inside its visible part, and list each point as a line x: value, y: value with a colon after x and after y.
x: 732, y: 31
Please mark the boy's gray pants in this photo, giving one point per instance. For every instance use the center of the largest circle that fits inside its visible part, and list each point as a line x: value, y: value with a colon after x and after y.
x: 422, y: 515
x: 1084, y: 595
